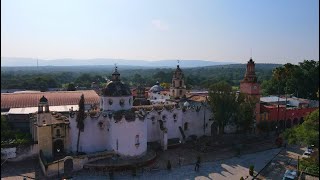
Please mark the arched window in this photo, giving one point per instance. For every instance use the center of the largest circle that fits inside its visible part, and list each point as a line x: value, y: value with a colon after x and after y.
x: 180, y: 92
x: 180, y: 84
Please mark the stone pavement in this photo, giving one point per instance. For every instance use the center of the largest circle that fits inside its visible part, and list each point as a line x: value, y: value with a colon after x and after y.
x: 227, y: 169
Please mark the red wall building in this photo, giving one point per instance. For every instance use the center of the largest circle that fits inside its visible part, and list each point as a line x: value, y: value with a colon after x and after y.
x: 267, y: 107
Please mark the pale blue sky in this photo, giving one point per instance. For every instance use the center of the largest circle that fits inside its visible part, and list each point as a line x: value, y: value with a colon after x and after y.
x: 218, y: 30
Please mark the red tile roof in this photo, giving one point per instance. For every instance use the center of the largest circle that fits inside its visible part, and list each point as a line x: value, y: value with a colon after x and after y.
x: 55, y: 98
x: 198, y: 98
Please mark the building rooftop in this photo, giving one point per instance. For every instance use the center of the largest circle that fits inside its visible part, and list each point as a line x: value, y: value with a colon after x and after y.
x: 55, y: 98
x: 28, y: 110
x: 198, y: 98
x: 270, y: 99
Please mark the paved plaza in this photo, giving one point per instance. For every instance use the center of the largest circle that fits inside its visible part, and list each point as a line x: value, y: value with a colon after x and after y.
x: 219, y: 162
x: 227, y: 169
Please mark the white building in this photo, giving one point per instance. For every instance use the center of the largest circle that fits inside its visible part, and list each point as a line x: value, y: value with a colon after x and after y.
x: 126, y: 129
x: 157, y: 94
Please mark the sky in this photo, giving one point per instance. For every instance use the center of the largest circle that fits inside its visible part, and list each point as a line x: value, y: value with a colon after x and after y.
x: 271, y: 31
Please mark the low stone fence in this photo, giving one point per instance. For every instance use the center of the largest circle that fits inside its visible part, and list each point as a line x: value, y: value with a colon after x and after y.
x: 51, y: 169
x: 19, y: 152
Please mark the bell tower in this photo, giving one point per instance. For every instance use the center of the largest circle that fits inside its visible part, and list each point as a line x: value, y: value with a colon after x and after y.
x: 177, y: 88
x: 249, y: 85
x: 251, y: 88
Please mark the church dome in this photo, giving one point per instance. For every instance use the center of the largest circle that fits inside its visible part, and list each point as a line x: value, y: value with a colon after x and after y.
x: 156, y: 88
x: 116, y: 88
x: 186, y: 104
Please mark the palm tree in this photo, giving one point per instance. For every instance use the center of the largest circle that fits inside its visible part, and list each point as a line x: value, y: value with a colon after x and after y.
x: 80, y: 119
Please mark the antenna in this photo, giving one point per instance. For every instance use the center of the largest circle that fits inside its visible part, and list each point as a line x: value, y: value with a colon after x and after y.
x: 251, y: 53
x: 178, y: 62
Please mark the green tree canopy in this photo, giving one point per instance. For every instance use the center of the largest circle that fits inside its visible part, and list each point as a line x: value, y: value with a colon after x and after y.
x: 300, y: 80
x: 222, y: 102
x: 307, y: 133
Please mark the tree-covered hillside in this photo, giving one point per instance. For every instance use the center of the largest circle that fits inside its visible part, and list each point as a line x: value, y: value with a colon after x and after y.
x: 302, y: 79
x: 54, y: 77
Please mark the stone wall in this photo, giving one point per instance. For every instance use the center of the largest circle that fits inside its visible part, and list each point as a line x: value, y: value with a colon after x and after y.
x: 20, y: 152
x: 51, y: 169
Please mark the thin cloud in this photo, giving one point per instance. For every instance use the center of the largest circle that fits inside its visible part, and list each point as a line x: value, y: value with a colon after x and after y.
x: 160, y: 25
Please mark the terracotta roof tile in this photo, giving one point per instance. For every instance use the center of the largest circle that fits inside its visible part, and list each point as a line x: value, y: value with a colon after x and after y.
x: 198, y: 98
x: 55, y: 98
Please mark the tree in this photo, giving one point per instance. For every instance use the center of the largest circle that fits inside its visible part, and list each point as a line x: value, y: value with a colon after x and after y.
x: 165, y: 85
x: 137, y: 79
x: 245, y: 112
x: 80, y: 119
x: 4, y: 124
x: 300, y: 80
x: 307, y: 133
x: 222, y: 103
x: 71, y: 87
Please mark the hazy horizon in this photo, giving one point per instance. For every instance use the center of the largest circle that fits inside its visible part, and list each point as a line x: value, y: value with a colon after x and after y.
x: 269, y: 31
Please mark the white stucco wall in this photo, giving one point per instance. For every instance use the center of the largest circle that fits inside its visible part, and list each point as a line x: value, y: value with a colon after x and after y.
x: 153, y: 126
x: 195, y: 123
x: 171, y: 125
x: 123, y: 137
x: 115, y: 106
x: 158, y: 96
x: 93, y: 138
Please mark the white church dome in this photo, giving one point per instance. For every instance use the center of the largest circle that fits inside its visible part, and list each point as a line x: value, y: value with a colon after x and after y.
x: 156, y: 88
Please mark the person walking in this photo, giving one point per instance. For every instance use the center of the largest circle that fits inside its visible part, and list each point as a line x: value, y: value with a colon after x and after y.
x: 197, y: 166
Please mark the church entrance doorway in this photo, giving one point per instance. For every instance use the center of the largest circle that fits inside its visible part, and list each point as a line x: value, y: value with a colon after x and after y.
x: 58, y: 148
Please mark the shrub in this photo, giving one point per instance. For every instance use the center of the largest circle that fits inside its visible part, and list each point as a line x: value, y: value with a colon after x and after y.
x: 251, y: 170
x: 241, y: 178
x: 169, y: 165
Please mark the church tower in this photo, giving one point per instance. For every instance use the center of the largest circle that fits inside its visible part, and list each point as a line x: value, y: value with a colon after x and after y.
x: 177, y: 88
x: 251, y: 88
x: 249, y: 85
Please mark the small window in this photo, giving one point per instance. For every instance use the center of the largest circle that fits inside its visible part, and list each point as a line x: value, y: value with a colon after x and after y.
x: 180, y: 84
x: 180, y: 92
x: 110, y: 101
x: 174, y: 116
x: 121, y: 102
x: 137, y: 140
x: 58, y: 133
x: 185, y: 126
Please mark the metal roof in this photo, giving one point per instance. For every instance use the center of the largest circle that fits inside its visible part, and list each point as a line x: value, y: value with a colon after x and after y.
x: 28, y: 110
x: 271, y: 99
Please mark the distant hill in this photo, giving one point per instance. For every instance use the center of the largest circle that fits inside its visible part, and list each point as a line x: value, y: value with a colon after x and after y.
x: 18, y: 62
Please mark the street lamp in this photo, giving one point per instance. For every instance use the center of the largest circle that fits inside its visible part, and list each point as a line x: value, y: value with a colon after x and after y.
x: 58, y: 150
